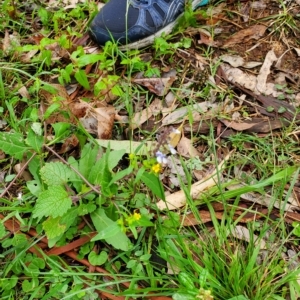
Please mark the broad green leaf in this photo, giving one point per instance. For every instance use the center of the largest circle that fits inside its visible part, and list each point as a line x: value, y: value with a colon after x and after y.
x: 114, y: 157
x: 82, y: 79
x: 35, y: 141
x: 13, y: 144
x: 100, y: 175
x: 144, y: 221
x: 145, y: 257
x: 183, y: 296
x: 88, y: 159
x: 154, y: 184
x: 131, y: 264
x: 34, y: 167
x: 53, y: 202
x: 97, y: 260
x: 75, y: 179
x: 37, y: 128
x: 121, y: 174
x: 101, y: 221
x: 53, y: 228
x: 34, y: 187
x: 61, y: 129
x: 2, y: 230
x: 88, y: 59
x: 51, y: 109
x: 56, y: 173
x: 108, y: 232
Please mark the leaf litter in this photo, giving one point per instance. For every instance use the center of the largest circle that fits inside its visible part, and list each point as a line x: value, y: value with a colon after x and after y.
x: 259, y: 106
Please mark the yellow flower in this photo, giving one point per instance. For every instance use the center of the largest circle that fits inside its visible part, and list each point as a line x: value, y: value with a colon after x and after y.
x: 133, y: 218
x: 136, y: 216
x: 156, y: 168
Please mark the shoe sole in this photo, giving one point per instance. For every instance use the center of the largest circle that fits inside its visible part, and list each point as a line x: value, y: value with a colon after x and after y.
x: 166, y: 30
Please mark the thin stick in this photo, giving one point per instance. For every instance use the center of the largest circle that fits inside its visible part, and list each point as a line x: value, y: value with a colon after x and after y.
x: 17, y: 176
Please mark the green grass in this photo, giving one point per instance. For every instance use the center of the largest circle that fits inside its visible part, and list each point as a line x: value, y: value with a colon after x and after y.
x: 102, y: 200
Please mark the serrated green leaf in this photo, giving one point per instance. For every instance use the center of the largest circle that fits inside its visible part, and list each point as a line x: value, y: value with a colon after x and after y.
x: 101, y: 221
x: 97, y: 260
x: 154, y: 184
x: 13, y: 144
x: 82, y: 79
x: 53, y: 202
x: 55, y: 173
x: 53, y: 228
x: 35, y: 141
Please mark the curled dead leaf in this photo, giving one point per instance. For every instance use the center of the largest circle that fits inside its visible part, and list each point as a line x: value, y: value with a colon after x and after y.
x: 186, y: 148
x: 253, y: 32
x: 158, y: 86
x: 105, y: 117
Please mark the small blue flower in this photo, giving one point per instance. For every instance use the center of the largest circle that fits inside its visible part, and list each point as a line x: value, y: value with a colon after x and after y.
x: 161, y: 158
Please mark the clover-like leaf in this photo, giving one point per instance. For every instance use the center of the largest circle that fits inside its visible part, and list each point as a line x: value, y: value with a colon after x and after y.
x: 55, y: 173
x: 53, y: 202
x: 97, y: 260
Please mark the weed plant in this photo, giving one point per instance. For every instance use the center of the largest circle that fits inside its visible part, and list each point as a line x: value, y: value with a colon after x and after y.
x: 108, y: 197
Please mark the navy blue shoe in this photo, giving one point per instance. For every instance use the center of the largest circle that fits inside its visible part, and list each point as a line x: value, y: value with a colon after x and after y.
x: 137, y: 23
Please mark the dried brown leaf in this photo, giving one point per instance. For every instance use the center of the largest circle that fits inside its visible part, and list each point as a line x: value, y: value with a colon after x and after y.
x: 261, y: 81
x: 178, y: 199
x: 253, y: 32
x: 141, y: 117
x: 186, y: 148
x: 105, y: 117
x: 255, y: 125
x: 158, y: 86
